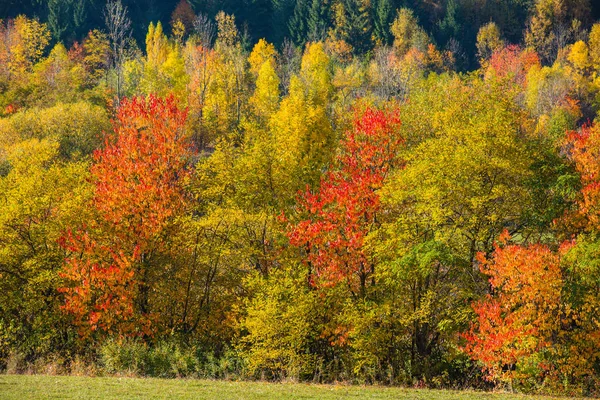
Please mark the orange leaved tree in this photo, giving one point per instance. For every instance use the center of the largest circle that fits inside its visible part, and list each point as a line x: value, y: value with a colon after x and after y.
x: 138, y: 176
x: 516, y: 323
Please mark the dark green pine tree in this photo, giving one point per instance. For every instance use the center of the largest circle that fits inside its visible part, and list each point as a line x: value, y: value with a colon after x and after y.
x: 382, y: 19
x: 282, y: 12
x: 318, y: 21
x: 297, y: 24
x: 360, y: 27
x: 257, y: 15
x: 450, y: 26
x: 81, y: 10
x: 59, y: 18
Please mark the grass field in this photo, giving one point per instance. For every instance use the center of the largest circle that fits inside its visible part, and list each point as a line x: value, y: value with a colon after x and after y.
x: 25, y: 387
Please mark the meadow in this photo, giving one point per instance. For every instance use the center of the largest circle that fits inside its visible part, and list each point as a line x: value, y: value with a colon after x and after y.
x: 36, y: 387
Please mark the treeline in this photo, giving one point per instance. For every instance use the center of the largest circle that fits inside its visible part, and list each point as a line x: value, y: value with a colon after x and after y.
x: 361, y: 24
x: 197, y: 208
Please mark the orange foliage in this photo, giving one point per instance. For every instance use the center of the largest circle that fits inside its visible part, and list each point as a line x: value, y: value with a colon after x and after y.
x: 521, y: 315
x: 138, y: 178
x: 586, y: 154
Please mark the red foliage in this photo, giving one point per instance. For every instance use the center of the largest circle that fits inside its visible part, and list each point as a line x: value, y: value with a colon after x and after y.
x: 520, y: 315
x: 512, y: 61
x: 342, y: 212
x: 138, y: 178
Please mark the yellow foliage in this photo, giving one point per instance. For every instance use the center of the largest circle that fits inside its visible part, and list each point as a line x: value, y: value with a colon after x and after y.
x: 266, y: 95
x: 97, y: 52
x: 407, y: 32
x: 227, y: 33
x: 23, y: 43
x: 488, y: 40
x: 157, y: 46
x: 261, y: 53
x: 315, y: 72
x: 594, y: 46
x: 178, y: 31
x: 579, y: 56
x: 164, y: 68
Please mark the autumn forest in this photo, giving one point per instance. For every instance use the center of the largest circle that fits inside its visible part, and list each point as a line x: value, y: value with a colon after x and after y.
x: 362, y: 191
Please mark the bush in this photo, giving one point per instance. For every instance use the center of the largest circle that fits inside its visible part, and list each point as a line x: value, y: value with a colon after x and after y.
x: 166, y: 360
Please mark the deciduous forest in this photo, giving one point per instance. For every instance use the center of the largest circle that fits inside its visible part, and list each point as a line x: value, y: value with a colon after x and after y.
x: 364, y: 191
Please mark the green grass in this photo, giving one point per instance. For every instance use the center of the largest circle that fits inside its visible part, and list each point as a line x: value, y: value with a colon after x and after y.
x: 35, y: 387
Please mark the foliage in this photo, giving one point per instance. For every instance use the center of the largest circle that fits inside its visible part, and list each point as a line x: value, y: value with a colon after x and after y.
x: 137, y: 178
x: 257, y: 210
x: 342, y: 212
x: 517, y: 322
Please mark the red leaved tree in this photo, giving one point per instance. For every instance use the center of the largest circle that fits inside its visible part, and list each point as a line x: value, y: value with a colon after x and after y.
x: 339, y: 215
x: 520, y: 317
x: 514, y: 62
x: 138, y: 178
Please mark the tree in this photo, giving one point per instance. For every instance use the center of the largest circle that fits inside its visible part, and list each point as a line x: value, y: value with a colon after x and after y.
x: 518, y: 321
x: 164, y: 69
x: 261, y: 53
x: 513, y: 62
x: 316, y: 22
x: 227, y: 32
x: 57, y: 77
x: 138, y: 191
x: 76, y: 128
x: 22, y: 46
x: 454, y: 196
x: 450, y: 25
x: 266, y: 96
x: 585, y: 152
x: 594, y: 46
x: 462, y: 186
x: 118, y: 25
x: 96, y: 55
x: 357, y: 24
x: 41, y: 195
x: 205, y: 29
x: 336, y: 218
x: 297, y: 23
x: 548, y: 88
x: 407, y: 33
x: 301, y: 129
x: 554, y: 24
x: 183, y: 14
x: 382, y: 21
x: 280, y: 326
x: 200, y: 63
x: 58, y: 18
x: 488, y: 41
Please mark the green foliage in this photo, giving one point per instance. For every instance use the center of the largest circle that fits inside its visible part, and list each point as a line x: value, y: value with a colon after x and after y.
x: 136, y: 358
x: 382, y: 21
